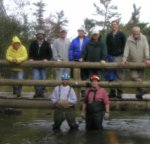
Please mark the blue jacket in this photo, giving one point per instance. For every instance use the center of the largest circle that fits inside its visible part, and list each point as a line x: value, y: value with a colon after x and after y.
x: 74, y: 50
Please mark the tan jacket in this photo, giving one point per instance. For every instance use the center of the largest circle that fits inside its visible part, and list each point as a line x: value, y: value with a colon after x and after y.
x: 136, y: 50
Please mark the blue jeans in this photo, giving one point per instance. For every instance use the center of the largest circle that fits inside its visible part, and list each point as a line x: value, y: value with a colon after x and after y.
x: 39, y: 74
x: 17, y: 75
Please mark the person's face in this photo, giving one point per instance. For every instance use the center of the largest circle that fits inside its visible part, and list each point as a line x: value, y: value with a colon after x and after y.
x: 65, y: 82
x: 62, y: 34
x: 95, y: 37
x: 40, y: 37
x: 114, y: 26
x: 81, y: 33
x: 16, y: 45
x: 136, y: 32
x: 94, y: 83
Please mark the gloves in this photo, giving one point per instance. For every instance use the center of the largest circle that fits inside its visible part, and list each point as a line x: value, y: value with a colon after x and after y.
x: 106, y: 116
x: 83, y: 115
x: 81, y: 60
x: 63, y: 104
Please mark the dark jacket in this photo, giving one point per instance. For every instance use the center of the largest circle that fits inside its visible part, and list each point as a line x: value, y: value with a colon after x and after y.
x: 94, y: 52
x: 74, y: 50
x: 40, y: 53
x: 116, y: 43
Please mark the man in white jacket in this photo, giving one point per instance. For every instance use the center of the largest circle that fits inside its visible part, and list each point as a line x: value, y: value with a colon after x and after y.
x: 64, y: 100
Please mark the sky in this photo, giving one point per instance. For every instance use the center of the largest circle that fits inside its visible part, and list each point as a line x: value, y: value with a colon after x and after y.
x: 77, y: 10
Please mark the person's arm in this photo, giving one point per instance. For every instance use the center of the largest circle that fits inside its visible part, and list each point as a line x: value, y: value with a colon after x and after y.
x: 71, y: 52
x: 54, y: 96
x: 126, y: 52
x: 23, y: 56
x: 49, y: 53
x: 72, y: 97
x: 9, y: 55
x: 123, y: 41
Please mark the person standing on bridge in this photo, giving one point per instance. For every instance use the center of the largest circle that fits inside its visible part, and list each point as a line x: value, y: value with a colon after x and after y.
x: 16, y: 53
x: 60, y: 52
x: 40, y: 49
x: 64, y: 100
x: 137, y: 50
x: 96, y: 102
x: 95, y: 51
x: 115, y: 41
x: 77, y: 46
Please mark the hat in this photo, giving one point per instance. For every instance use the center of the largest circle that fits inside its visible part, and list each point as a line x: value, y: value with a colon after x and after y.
x: 95, y: 32
x: 94, y: 77
x: 65, y: 76
x: 63, y: 30
x: 40, y: 32
x: 81, y: 29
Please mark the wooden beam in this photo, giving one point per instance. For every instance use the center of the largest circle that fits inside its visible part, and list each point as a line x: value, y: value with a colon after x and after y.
x: 131, y: 65
x: 143, y: 105
x: 74, y: 83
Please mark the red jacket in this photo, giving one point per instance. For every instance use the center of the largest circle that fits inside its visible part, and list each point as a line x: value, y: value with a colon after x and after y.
x: 100, y: 94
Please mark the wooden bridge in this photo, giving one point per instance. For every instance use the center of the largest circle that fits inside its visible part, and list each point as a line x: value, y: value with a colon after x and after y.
x: 127, y: 102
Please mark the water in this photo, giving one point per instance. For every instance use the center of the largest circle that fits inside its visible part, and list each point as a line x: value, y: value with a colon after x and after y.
x: 35, y: 127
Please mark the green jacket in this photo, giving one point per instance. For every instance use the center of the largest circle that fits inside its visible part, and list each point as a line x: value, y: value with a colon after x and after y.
x: 94, y: 51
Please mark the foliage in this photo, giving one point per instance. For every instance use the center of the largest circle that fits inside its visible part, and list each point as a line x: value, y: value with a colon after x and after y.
x: 9, y: 27
x: 107, y: 12
x: 39, y: 14
x: 54, y: 23
x: 89, y: 24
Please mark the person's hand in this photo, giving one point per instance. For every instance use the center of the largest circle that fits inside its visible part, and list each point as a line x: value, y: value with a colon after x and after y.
x: 124, y: 62
x: 147, y: 62
x: 14, y: 60
x: 83, y: 115
x: 45, y: 60
x: 81, y: 60
x: 102, y: 61
x: 106, y: 116
x: 63, y: 104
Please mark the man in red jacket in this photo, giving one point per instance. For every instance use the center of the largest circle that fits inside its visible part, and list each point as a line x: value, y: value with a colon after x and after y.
x: 96, y: 105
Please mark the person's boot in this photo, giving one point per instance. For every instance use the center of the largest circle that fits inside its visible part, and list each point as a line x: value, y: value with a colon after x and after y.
x: 112, y: 93
x: 140, y: 93
x: 119, y: 93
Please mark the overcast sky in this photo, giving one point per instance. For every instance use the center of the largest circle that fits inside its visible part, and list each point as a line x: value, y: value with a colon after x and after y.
x: 77, y: 10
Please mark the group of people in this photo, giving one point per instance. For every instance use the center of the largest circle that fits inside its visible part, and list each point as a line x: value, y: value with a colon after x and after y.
x: 82, y: 48
x: 96, y: 100
x: 95, y: 106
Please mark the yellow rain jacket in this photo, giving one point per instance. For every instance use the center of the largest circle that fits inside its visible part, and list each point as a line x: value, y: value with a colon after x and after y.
x: 20, y: 54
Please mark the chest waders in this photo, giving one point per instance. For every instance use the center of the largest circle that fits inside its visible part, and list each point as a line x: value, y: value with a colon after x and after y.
x: 94, y: 106
x: 64, y: 113
x: 94, y: 113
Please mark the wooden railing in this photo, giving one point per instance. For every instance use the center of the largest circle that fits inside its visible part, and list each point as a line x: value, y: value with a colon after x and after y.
x: 76, y: 82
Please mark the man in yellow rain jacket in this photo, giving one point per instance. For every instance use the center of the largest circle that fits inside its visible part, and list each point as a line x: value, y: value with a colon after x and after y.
x: 16, y: 53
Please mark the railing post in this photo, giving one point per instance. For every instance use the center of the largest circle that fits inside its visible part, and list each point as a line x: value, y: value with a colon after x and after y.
x: 77, y: 77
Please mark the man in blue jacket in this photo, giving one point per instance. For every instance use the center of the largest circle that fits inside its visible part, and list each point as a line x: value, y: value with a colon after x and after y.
x: 77, y: 46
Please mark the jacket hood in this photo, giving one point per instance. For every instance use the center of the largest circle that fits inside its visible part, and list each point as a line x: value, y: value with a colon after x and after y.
x: 15, y: 39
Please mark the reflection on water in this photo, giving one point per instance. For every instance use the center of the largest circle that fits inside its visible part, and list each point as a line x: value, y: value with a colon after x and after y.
x: 34, y: 127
